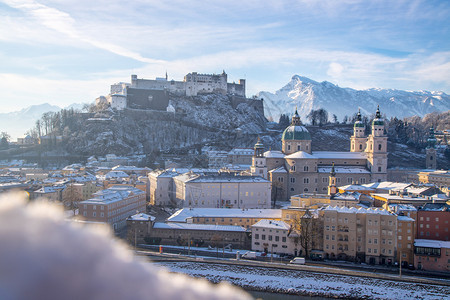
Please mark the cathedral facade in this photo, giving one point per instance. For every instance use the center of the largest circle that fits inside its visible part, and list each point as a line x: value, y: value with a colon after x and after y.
x: 297, y: 169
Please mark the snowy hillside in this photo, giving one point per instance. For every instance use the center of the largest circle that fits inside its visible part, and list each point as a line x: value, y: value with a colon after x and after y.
x: 308, y: 94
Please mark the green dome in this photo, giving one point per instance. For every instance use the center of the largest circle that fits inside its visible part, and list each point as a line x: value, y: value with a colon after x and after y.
x: 295, y: 132
x: 377, y: 122
x: 359, y: 124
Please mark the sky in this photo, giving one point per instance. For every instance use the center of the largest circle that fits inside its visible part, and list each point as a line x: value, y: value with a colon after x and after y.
x: 71, y: 51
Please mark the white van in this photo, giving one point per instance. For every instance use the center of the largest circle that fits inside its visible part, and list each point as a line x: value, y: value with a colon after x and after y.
x: 298, y: 261
x: 249, y: 254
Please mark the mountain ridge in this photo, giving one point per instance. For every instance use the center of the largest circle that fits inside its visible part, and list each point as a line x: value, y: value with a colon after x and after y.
x: 308, y: 94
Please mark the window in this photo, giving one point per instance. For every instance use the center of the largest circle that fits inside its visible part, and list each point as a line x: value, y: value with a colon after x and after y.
x: 305, y: 180
x: 84, y: 213
x: 263, y: 237
x: 102, y: 214
x: 379, y: 169
x: 94, y: 214
x: 277, y: 238
x: 280, y: 179
x: 292, y: 180
x: 293, y: 168
x: 299, y: 148
x: 283, y: 239
x: 257, y: 236
x: 379, y: 147
x: 305, y: 168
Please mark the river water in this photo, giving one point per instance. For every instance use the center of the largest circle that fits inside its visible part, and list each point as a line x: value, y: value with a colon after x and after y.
x: 275, y: 296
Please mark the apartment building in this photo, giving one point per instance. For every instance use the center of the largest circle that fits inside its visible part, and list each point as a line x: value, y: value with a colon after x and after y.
x: 364, y: 235
x: 113, y: 205
x: 272, y: 237
x: 432, y: 255
x: 405, y: 240
x: 433, y: 222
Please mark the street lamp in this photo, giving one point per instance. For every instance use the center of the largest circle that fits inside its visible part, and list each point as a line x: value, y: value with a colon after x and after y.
x: 271, y: 255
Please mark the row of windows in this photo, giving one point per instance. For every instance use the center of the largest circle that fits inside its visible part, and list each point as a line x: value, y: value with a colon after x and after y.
x: 270, y: 238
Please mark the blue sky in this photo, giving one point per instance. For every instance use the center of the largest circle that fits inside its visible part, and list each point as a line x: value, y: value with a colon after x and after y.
x: 70, y: 51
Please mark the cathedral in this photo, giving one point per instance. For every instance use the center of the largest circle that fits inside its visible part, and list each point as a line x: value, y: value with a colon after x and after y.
x: 297, y: 169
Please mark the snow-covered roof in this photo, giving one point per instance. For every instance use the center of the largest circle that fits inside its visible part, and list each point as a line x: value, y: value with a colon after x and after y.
x: 195, y: 178
x: 354, y: 187
x: 190, y: 226
x: 301, y: 154
x: 141, y: 217
x: 346, y: 196
x: 272, y: 224
x: 281, y: 169
x: 432, y: 243
x: 344, y: 170
x: 274, y: 154
x: 436, y: 207
x: 183, y: 214
x: 49, y: 189
x: 360, y: 210
x: 400, y: 207
x: 405, y: 219
x: 113, y: 194
x: 339, y: 155
x: 116, y: 174
x: 387, y: 185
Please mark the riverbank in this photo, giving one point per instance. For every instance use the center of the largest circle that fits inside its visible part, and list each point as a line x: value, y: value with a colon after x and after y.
x: 307, y: 283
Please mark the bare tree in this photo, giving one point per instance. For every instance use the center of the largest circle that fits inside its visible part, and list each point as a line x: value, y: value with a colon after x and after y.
x: 71, y: 198
x: 303, y: 232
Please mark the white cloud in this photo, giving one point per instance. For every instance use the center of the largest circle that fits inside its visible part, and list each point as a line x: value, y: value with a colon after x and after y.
x: 335, y: 70
x: 45, y: 257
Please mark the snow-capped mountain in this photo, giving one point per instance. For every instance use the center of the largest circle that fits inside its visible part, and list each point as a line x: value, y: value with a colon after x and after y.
x: 308, y: 94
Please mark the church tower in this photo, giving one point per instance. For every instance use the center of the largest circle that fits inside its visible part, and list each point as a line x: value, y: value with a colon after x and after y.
x: 431, y: 151
x: 332, y: 189
x: 376, y: 149
x: 358, y: 140
x: 296, y: 137
x: 259, y: 167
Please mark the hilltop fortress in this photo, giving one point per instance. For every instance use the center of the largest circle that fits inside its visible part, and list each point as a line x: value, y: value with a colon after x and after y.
x: 154, y: 93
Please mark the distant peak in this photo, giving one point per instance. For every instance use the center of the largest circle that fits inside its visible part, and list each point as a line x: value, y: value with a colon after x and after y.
x: 303, y: 79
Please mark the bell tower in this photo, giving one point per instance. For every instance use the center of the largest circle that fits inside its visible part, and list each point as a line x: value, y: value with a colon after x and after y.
x: 358, y: 140
x: 376, y: 149
x: 259, y: 167
x: 332, y: 189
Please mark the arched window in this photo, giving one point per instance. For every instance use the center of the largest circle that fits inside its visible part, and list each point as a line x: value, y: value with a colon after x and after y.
x: 360, y: 146
x: 305, y: 190
x: 379, y: 147
x: 305, y: 168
